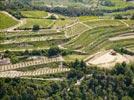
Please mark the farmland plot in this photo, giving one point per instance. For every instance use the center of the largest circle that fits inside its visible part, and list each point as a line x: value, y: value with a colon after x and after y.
x: 6, y: 21
x: 42, y: 71
x: 44, y: 60
x: 43, y: 23
x: 76, y: 29
x: 34, y: 14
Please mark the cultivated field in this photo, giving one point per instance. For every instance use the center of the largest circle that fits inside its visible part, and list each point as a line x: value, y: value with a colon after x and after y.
x: 43, y: 23
x: 6, y: 21
x: 84, y: 36
x: 42, y: 71
x: 34, y: 14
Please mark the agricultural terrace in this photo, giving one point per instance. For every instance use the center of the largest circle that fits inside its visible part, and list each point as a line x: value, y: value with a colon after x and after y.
x: 76, y: 29
x: 6, y: 21
x: 21, y: 41
x: 32, y: 45
x: 40, y: 61
x: 86, y: 18
x: 63, y: 22
x: 100, y: 23
x: 34, y: 14
x: 42, y: 71
x: 97, y: 37
x: 43, y: 23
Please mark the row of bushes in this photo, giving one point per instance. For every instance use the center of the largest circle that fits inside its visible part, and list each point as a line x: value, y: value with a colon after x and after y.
x: 119, y: 16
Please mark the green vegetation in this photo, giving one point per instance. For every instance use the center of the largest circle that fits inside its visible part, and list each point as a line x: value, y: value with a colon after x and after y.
x: 118, y: 4
x: 103, y: 23
x: 74, y: 36
x: 34, y: 14
x: 36, y: 27
x: 6, y: 21
x: 76, y: 29
x: 115, y: 84
x: 98, y: 38
x: 43, y: 23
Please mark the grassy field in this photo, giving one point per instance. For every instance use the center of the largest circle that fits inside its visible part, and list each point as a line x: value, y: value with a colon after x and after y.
x: 6, y: 21
x: 63, y: 23
x: 100, y: 23
x: 43, y: 23
x: 86, y: 18
x: 34, y: 14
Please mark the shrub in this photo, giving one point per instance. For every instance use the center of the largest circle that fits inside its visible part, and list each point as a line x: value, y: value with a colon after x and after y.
x: 54, y: 51
x: 53, y: 17
x: 36, y: 27
x: 118, y: 17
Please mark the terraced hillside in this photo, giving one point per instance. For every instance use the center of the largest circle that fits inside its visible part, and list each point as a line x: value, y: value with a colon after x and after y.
x: 66, y: 50
x: 6, y: 21
x: 80, y: 37
x: 30, y: 40
x: 97, y: 37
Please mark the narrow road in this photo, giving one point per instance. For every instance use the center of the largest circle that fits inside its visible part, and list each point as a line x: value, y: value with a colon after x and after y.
x: 121, y: 38
x: 124, y: 23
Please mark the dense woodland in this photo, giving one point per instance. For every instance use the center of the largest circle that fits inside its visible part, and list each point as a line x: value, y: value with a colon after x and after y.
x: 15, y: 5
x: 115, y: 84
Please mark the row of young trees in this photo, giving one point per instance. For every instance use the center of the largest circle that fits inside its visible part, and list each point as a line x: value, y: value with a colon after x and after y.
x: 115, y: 84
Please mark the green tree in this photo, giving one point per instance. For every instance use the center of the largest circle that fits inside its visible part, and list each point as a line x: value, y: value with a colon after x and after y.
x: 53, y: 51
x: 36, y: 27
x: 126, y: 98
x: 118, y: 16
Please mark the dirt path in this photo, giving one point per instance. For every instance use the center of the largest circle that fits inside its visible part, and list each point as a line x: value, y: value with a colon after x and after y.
x: 44, y: 79
x: 124, y: 23
x: 121, y: 38
x: 21, y: 22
